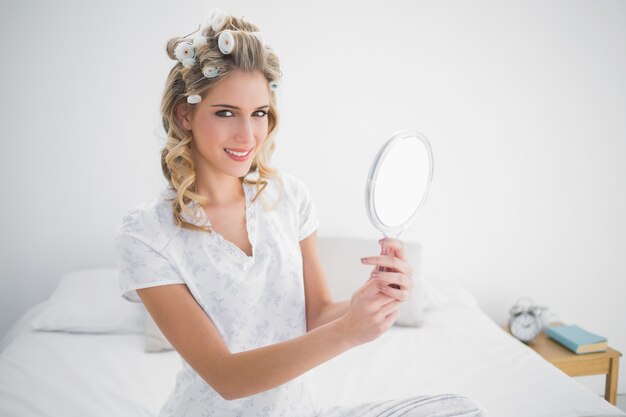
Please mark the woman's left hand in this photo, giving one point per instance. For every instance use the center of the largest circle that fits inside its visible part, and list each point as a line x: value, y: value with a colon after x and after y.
x: 394, y: 274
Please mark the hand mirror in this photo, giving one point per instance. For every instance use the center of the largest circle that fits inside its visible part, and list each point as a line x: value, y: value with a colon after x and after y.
x: 398, y: 182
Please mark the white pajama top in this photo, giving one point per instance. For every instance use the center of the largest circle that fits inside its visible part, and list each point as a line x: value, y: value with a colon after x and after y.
x: 253, y: 301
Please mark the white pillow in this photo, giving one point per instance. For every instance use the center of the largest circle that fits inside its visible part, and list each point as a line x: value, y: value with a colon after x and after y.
x: 444, y: 293
x: 89, y: 301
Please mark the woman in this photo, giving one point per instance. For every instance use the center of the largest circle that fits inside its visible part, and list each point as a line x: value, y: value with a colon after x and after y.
x: 225, y: 258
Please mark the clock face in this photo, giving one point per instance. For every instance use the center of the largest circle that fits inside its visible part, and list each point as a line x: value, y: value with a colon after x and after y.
x: 525, y: 327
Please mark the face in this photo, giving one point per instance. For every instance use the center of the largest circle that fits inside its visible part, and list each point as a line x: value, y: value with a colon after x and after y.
x: 229, y: 125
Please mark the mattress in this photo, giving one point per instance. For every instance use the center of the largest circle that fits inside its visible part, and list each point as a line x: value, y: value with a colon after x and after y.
x: 457, y: 349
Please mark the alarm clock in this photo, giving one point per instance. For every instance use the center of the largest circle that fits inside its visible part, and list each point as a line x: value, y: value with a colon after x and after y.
x: 525, y: 320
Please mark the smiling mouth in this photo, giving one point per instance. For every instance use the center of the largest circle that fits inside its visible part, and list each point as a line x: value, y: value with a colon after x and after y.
x: 239, y: 152
x: 238, y: 155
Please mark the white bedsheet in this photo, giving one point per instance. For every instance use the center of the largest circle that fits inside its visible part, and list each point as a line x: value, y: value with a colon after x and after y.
x: 458, y: 349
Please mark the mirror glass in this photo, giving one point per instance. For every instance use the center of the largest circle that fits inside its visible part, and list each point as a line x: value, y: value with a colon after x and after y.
x: 398, y: 182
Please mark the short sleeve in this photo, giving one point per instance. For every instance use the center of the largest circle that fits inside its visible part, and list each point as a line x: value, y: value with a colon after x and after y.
x: 307, y: 215
x: 141, y: 266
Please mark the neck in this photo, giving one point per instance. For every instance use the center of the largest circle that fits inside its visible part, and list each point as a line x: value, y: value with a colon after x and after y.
x: 219, y: 189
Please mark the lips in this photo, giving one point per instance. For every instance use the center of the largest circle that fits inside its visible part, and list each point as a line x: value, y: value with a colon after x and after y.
x: 241, y: 150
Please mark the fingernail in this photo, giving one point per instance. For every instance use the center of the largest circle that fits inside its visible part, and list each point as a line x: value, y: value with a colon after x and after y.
x: 365, y: 260
x: 375, y: 275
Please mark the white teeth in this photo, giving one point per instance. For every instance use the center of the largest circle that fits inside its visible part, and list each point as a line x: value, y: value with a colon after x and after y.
x: 237, y: 153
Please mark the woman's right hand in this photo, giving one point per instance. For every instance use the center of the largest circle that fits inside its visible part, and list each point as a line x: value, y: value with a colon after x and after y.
x: 370, y: 314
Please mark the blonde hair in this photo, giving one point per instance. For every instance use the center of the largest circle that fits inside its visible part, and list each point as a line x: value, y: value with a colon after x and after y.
x: 248, y: 54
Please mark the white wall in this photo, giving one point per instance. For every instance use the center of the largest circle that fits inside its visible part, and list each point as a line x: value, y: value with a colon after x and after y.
x: 523, y: 102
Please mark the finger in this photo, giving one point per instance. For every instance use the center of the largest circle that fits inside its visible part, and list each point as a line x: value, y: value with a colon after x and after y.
x: 391, y: 318
x: 389, y: 261
x: 395, y: 245
x: 398, y: 294
x: 370, y: 288
x: 401, y: 280
x: 374, y: 270
x: 381, y: 299
x: 372, y: 291
x: 390, y: 307
x: 385, y: 250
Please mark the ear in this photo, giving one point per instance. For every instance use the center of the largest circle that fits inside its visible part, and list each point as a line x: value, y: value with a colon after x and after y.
x: 183, y: 115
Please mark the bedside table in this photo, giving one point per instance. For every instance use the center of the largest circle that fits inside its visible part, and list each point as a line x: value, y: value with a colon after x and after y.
x: 599, y: 363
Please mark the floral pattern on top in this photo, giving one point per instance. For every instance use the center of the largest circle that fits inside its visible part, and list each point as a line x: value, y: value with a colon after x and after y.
x: 253, y: 301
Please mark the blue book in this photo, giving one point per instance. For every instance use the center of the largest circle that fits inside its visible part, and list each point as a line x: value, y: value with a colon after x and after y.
x: 577, y: 339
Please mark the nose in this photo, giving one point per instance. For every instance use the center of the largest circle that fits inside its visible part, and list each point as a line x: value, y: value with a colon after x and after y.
x: 245, y: 132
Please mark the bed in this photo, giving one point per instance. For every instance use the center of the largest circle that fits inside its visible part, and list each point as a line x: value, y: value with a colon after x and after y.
x: 89, y: 357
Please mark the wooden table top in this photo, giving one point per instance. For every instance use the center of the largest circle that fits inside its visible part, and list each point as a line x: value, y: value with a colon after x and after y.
x: 555, y: 353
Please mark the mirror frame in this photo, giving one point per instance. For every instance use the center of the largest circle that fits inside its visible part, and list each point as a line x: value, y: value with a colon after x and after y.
x: 370, y: 186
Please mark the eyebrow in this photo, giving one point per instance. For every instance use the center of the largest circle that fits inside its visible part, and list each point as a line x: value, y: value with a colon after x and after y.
x: 235, y: 107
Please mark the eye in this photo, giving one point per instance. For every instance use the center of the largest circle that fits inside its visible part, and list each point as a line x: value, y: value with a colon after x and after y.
x: 223, y: 113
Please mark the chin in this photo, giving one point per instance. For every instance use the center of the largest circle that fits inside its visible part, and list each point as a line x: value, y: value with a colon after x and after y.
x: 239, y: 171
